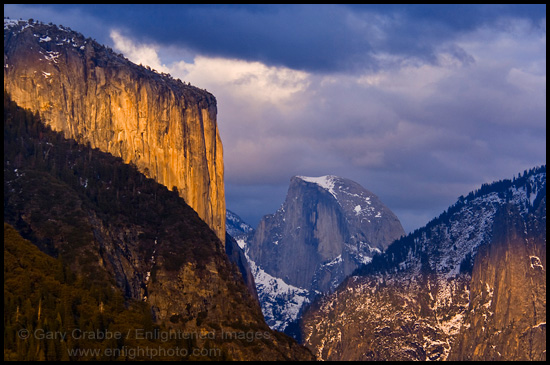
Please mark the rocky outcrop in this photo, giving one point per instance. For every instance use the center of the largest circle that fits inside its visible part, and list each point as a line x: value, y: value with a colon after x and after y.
x: 166, y: 128
x: 470, y: 285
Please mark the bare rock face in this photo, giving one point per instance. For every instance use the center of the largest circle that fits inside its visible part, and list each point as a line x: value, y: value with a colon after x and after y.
x: 506, y: 319
x: 164, y: 127
x: 324, y: 230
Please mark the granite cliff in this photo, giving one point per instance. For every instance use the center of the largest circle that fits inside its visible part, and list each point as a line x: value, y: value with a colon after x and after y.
x: 326, y: 228
x: 124, y: 233
x: 506, y: 318
x: 166, y: 128
x: 470, y: 285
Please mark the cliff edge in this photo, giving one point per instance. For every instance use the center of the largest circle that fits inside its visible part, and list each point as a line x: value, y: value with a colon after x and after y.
x: 166, y: 128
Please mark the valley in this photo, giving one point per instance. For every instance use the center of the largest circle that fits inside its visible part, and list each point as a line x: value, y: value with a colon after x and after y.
x: 120, y: 245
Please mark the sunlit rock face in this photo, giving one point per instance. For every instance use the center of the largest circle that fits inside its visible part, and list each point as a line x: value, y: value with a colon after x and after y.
x: 166, y: 128
x: 506, y: 318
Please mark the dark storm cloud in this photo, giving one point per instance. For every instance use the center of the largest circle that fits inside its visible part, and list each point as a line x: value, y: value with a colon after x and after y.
x: 319, y: 38
x: 419, y: 104
x: 299, y: 37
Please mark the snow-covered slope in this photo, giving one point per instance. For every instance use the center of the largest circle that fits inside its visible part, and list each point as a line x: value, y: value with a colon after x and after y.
x: 235, y: 226
x: 413, y: 301
x: 281, y: 303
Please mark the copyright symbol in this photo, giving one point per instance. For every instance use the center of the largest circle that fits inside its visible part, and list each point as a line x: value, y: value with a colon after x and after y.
x: 23, y: 334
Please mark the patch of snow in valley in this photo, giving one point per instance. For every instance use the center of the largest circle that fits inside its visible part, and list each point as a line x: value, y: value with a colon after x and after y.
x: 241, y: 243
x: 276, y: 297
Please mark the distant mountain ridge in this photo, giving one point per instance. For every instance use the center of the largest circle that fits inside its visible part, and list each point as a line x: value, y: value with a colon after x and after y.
x: 236, y: 227
x: 470, y: 285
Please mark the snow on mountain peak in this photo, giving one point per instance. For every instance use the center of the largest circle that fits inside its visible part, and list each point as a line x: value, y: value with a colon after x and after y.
x: 326, y: 182
x: 356, y: 201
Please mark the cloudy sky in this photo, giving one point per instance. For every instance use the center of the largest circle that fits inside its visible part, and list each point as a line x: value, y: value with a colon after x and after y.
x: 419, y: 104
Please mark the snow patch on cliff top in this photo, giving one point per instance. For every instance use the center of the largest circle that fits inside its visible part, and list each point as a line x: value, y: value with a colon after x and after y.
x: 326, y: 182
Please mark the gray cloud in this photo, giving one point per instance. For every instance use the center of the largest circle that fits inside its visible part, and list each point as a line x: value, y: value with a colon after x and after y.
x: 422, y: 135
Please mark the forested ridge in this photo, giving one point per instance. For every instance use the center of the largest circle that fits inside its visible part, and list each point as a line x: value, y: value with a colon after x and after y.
x: 51, y: 310
x: 55, y: 168
x: 130, y: 258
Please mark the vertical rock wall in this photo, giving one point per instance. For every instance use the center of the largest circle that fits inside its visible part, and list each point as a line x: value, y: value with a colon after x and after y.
x: 321, y: 234
x: 506, y: 318
x: 164, y: 127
